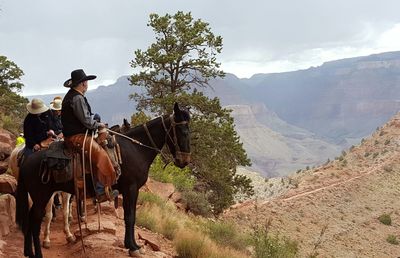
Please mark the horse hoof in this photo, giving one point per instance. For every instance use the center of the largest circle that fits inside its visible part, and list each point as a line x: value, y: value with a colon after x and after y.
x: 46, y: 244
x: 71, y: 239
x: 135, y: 253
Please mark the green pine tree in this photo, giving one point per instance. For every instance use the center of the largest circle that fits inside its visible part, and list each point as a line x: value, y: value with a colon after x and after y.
x: 175, y: 68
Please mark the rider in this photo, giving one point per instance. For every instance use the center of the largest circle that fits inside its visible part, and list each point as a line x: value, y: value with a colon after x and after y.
x: 55, y: 107
x: 76, y: 119
x: 36, y: 126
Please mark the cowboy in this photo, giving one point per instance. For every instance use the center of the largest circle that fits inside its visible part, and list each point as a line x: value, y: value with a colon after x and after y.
x: 78, y: 123
x: 55, y: 107
x: 36, y: 126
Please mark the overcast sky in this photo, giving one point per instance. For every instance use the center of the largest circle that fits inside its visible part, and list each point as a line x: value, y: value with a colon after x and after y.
x: 47, y: 39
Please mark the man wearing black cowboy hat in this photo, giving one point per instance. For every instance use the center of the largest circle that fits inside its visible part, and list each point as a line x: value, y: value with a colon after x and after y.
x: 77, y: 119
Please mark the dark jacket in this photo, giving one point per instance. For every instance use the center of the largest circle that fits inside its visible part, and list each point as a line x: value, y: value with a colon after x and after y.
x: 76, y: 115
x: 35, y: 128
x: 56, y: 124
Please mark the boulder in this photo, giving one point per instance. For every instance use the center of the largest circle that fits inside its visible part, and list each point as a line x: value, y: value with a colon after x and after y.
x: 164, y: 190
x: 7, y: 213
x: 7, y: 144
x: 8, y: 184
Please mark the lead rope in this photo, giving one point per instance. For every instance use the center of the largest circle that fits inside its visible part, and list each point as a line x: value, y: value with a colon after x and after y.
x: 139, y: 143
x: 94, y: 186
x: 77, y: 194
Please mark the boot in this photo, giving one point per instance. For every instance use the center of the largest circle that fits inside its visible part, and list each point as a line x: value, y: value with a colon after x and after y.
x: 104, y: 197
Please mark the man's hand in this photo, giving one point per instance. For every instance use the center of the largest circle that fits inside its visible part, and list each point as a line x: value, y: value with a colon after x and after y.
x: 51, y: 133
x: 101, y: 125
x: 36, y: 147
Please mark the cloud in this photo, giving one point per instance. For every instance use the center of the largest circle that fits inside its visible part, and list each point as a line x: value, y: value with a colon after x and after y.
x: 48, y: 39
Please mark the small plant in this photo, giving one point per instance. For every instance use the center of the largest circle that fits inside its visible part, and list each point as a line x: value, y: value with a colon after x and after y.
x: 367, y: 154
x: 226, y: 234
x: 387, y: 142
x: 145, y: 219
x: 308, y: 167
x: 169, y: 228
x: 381, y: 133
x: 388, y: 168
x: 392, y: 239
x: 266, y: 245
x: 340, y: 158
x: 191, y: 245
x: 385, y: 219
x: 344, y: 153
x: 376, y: 142
x: 352, y: 147
x: 197, y: 203
x: 145, y: 197
x: 298, y: 171
x: 375, y: 155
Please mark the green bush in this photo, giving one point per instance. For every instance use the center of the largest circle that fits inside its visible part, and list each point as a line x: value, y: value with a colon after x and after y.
x: 385, y: 219
x: 180, y: 178
x: 145, y: 219
x: 191, y: 245
x: 266, y: 245
x: 197, y: 203
x: 145, y: 197
x: 169, y: 228
x: 226, y: 234
x: 392, y: 239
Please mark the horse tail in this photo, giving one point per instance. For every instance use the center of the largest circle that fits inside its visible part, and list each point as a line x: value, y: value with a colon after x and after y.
x: 22, y: 205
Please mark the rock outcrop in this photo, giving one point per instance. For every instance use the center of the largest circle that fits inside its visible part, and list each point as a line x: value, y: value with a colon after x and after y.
x: 7, y: 144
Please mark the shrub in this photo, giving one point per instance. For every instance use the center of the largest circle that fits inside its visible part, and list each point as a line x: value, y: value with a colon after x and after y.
x: 145, y: 218
x: 385, y: 219
x: 180, y: 178
x: 191, y: 245
x: 150, y: 198
x: 266, y: 245
x: 169, y: 228
x: 375, y: 155
x: 387, y: 142
x: 392, y: 239
x: 197, y: 203
x: 226, y: 234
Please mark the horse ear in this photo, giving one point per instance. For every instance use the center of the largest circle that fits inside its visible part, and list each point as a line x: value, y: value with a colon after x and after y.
x: 176, y: 108
x: 126, y: 123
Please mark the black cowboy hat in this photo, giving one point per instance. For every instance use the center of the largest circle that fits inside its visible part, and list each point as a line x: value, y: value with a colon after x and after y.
x: 78, y: 76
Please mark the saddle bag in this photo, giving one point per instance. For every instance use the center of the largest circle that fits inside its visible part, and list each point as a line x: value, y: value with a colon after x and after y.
x: 57, y: 163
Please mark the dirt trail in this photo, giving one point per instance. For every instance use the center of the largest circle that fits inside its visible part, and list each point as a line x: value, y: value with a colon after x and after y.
x: 102, y: 244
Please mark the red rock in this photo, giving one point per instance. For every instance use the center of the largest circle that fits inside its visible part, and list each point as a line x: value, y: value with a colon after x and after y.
x: 7, y: 213
x: 8, y: 184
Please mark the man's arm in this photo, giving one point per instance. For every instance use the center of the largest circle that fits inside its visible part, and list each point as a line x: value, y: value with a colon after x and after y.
x: 82, y: 113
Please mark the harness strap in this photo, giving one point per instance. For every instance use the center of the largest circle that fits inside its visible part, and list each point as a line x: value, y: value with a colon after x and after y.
x: 149, y: 136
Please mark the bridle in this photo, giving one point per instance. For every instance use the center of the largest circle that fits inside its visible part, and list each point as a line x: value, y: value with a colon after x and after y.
x: 180, y: 155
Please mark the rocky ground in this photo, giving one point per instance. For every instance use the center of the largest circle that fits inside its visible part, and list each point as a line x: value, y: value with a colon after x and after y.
x: 108, y: 242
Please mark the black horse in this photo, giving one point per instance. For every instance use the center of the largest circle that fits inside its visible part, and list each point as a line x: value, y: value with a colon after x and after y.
x: 171, y: 130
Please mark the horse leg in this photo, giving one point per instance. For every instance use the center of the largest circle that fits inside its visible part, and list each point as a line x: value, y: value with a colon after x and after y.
x: 66, y: 212
x: 36, y: 216
x: 129, y: 204
x: 47, y: 221
x: 28, y: 250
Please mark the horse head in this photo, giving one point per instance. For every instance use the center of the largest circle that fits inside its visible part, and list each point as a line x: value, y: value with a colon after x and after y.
x: 178, y: 137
